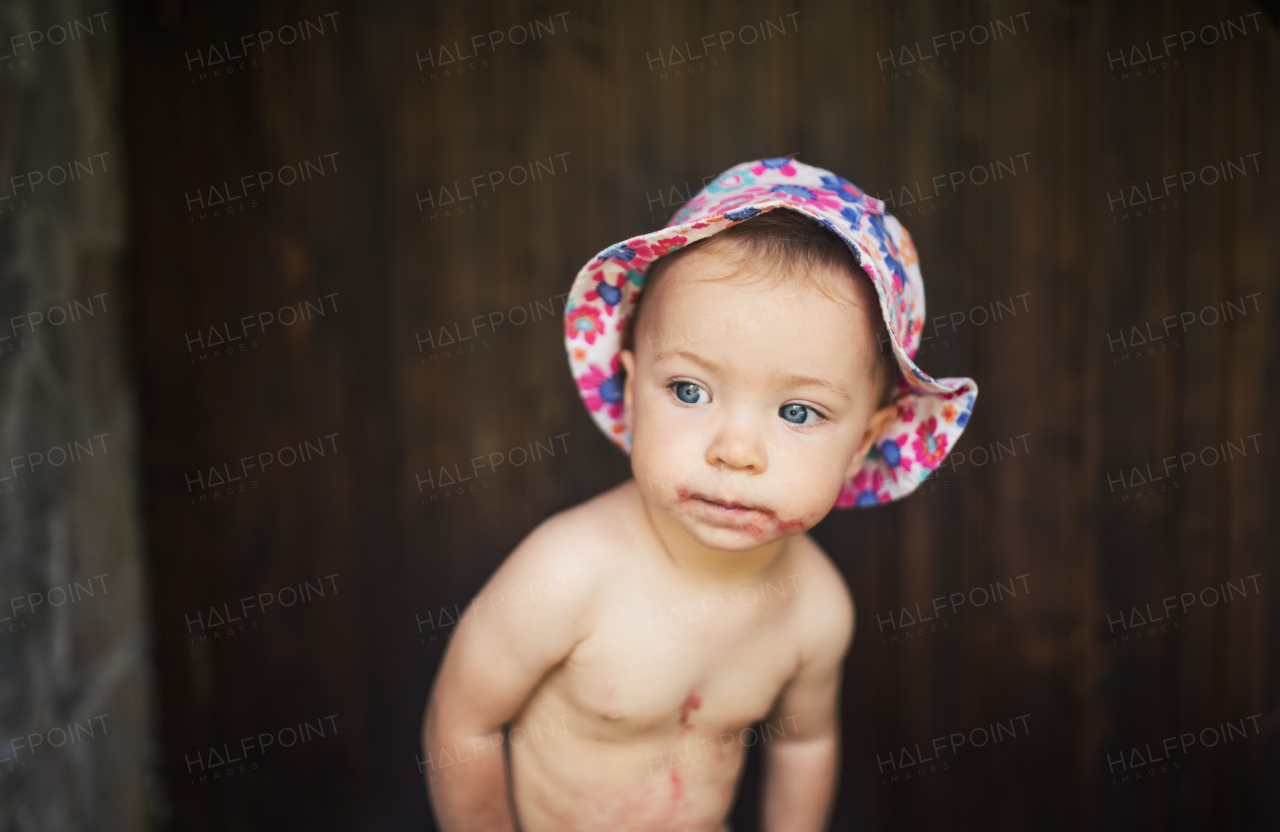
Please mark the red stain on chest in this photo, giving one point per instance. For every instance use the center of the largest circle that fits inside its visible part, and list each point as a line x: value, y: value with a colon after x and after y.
x: 677, y: 784
x: 691, y: 704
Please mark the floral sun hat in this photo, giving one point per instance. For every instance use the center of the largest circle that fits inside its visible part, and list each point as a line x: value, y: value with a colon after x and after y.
x: 932, y: 413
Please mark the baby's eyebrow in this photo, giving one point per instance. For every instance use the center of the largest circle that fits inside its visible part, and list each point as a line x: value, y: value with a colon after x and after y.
x: 789, y: 380
x: 810, y: 381
x: 667, y: 355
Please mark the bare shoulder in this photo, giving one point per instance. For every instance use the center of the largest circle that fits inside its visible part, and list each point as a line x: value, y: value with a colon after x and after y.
x: 542, y: 601
x: 571, y: 549
x: 545, y: 597
x: 825, y: 612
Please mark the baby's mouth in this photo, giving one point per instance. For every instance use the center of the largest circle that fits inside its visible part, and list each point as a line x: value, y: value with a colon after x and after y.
x: 727, y: 507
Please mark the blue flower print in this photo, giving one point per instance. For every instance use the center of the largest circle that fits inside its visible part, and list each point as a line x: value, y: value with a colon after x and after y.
x: 606, y: 292
x: 793, y: 190
x: 740, y: 214
x: 867, y: 498
x: 611, y: 388
x: 618, y: 252
x: 963, y: 418
x: 781, y: 164
x: 891, y: 452
x: 845, y: 189
x: 882, y: 235
x: 853, y: 215
x: 609, y: 294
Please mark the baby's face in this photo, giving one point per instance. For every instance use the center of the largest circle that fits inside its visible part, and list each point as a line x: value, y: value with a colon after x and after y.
x: 749, y: 401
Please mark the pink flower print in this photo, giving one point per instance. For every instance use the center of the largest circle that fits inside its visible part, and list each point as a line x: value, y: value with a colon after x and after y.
x: 812, y: 196
x: 647, y: 252
x: 906, y: 413
x: 605, y: 291
x: 584, y: 320
x: 603, y: 390
x: 782, y: 165
x: 665, y: 244
x: 914, y: 325
x: 826, y: 199
x: 867, y: 489
x: 733, y: 201
x: 899, y: 288
x: 690, y: 208
x: 930, y: 447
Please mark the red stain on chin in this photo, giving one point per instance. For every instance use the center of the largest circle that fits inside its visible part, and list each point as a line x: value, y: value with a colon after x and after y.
x: 790, y: 525
x: 691, y: 703
x: 781, y: 527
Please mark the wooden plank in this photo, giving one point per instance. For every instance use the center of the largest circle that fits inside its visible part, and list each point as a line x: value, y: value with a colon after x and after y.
x: 621, y: 139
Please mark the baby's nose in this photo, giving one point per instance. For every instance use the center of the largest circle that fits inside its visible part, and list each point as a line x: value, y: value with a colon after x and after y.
x: 737, y: 450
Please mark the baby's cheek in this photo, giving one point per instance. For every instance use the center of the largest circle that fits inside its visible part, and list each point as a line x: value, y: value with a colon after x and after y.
x: 651, y: 470
x: 661, y: 460
x: 807, y: 510
x: 813, y: 478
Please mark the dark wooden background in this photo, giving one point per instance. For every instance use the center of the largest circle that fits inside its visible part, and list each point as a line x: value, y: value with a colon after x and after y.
x: 630, y: 135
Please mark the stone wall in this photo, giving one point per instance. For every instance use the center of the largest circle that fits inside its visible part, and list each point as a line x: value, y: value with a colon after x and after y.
x: 75, y: 688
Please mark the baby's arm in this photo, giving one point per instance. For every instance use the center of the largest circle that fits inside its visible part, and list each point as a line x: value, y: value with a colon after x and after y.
x: 496, y: 658
x: 801, y: 767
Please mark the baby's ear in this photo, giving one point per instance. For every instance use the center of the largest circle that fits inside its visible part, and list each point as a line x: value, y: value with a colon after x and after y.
x: 628, y: 360
x: 876, y: 425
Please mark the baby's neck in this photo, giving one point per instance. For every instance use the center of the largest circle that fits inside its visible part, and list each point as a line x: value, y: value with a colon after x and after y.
x: 703, y: 563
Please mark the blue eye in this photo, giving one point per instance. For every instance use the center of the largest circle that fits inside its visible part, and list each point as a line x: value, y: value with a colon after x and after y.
x: 690, y: 393
x: 798, y: 414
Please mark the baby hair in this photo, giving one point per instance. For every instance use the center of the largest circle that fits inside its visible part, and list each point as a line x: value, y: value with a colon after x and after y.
x: 786, y: 245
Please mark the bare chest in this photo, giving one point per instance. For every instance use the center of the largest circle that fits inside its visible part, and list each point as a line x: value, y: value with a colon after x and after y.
x: 658, y: 666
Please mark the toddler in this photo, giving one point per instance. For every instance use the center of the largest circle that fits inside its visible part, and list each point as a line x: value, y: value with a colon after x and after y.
x: 754, y: 358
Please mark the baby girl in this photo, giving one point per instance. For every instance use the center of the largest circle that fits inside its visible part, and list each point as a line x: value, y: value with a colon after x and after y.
x: 734, y: 355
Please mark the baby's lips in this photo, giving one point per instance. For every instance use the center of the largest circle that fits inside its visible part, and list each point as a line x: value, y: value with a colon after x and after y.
x: 729, y: 503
